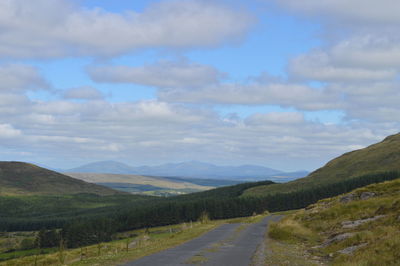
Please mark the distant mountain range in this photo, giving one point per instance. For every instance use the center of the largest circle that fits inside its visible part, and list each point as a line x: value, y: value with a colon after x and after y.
x: 191, y: 169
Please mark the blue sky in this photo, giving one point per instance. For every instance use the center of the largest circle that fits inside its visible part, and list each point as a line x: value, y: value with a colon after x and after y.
x: 267, y: 82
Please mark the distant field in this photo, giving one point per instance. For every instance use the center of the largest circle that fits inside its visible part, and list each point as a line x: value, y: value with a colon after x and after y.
x: 150, y: 185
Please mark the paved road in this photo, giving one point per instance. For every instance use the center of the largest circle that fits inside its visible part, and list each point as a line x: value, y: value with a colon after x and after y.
x: 229, y: 244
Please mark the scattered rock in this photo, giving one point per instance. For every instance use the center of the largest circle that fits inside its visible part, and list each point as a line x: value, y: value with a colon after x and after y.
x: 348, y: 198
x: 337, y: 238
x: 351, y: 249
x: 367, y: 195
x: 352, y: 224
x: 133, y: 244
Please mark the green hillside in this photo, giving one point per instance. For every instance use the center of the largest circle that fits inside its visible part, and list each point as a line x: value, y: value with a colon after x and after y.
x: 358, y: 228
x: 381, y: 157
x: 18, y: 178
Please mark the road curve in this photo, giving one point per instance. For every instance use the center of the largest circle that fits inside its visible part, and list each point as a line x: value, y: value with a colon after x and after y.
x: 228, y: 244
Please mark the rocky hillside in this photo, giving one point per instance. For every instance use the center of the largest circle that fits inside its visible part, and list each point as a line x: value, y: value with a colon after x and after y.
x: 381, y: 157
x: 22, y: 178
x: 358, y: 228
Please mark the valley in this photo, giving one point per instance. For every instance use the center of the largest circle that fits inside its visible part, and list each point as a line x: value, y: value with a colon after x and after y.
x: 87, y: 215
x: 199, y: 132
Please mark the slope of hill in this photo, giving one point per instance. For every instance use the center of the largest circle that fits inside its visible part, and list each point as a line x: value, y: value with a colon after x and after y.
x: 359, y: 228
x: 18, y: 178
x: 381, y: 157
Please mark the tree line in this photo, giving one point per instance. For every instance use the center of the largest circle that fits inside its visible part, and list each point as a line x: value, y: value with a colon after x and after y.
x: 219, y: 203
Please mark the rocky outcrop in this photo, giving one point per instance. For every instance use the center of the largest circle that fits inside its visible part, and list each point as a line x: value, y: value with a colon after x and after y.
x: 350, y: 250
x: 353, y: 224
x: 352, y: 196
x: 348, y: 198
x: 367, y: 195
x: 336, y: 238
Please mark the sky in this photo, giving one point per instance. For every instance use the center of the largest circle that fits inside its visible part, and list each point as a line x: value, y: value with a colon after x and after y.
x: 285, y: 84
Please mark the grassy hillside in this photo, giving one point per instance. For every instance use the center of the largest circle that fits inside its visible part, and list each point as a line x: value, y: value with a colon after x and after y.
x: 18, y: 178
x: 359, y: 228
x: 377, y: 158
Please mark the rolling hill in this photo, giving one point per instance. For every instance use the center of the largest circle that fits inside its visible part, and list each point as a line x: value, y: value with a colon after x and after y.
x: 377, y: 158
x: 18, y: 178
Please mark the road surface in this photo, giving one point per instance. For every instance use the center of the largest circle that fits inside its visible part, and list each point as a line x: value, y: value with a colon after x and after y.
x: 228, y: 244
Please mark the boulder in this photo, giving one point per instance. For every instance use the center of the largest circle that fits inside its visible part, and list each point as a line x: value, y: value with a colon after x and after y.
x: 367, y: 195
x: 348, y: 198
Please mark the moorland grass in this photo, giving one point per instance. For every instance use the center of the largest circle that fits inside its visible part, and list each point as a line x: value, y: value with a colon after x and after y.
x: 378, y: 240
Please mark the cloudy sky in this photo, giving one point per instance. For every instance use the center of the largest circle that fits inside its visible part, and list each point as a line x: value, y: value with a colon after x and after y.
x: 286, y: 84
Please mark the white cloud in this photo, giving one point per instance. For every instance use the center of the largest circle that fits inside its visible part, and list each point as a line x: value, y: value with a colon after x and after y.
x: 56, y: 28
x: 162, y: 74
x: 258, y: 93
x: 281, y: 118
x: 83, y: 93
x: 359, y: 58
x: 8, y: 131
x: 383, y: 11
x: 372, y: 50
x: 15, y: 77
x: 318, y: 66
x: 359, y: 75
x: 155, y: 131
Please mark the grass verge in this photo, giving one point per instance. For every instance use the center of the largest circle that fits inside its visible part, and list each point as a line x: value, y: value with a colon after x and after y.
x: 144, y: 242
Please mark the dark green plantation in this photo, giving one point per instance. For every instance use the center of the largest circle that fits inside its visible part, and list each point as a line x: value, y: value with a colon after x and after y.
x: 86, y: 219
x: 49, y: 211
x: 89, y: 218
x: 26, y: 213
